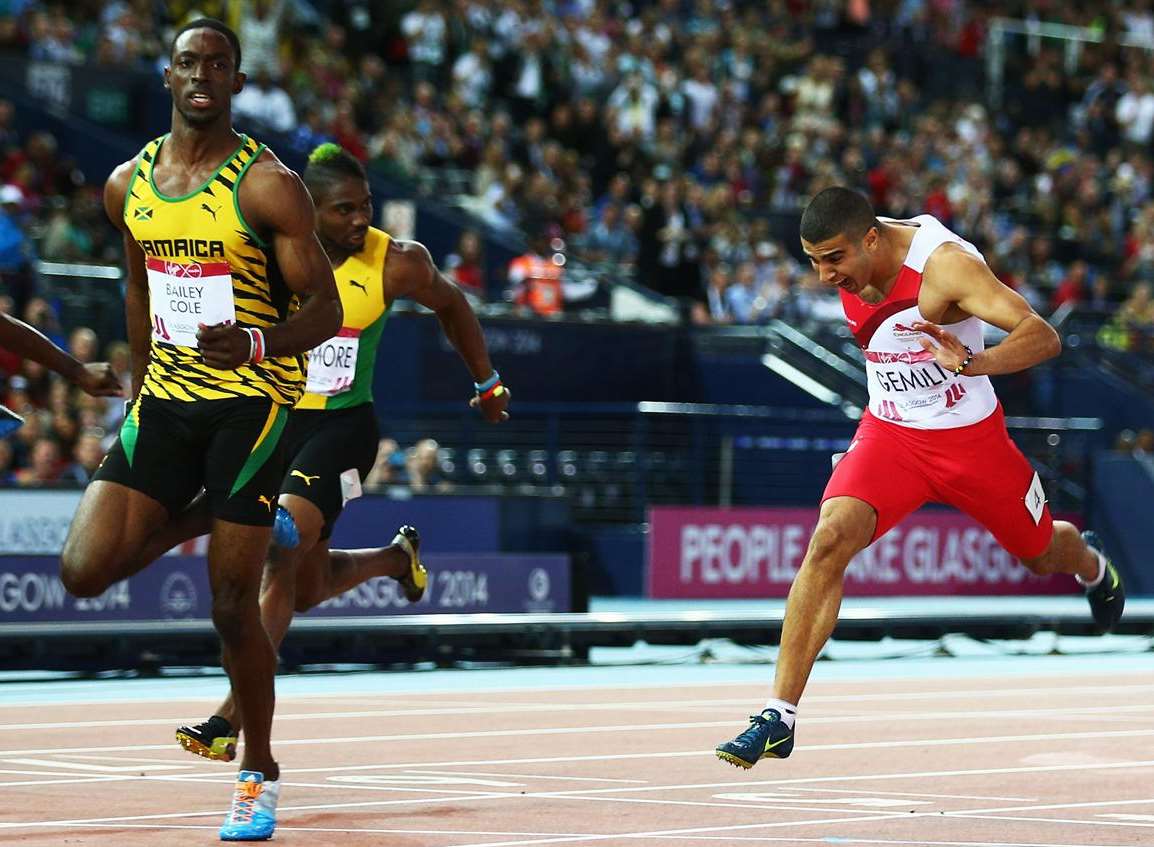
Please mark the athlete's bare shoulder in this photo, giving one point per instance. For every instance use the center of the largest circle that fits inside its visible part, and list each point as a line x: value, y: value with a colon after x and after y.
x: 952, y: 265
x: 405, y: 253
x: 273, y: 198
x: 408, y: 268
x: 116, y: 189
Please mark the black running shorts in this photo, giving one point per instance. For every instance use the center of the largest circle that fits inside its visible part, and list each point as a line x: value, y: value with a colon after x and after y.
x: 169, y: 450
x: 329, y: 453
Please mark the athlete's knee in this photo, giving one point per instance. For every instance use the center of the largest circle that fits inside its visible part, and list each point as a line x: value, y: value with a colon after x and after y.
x: 833, y: 544
x: 80, y: 580
x: 83, y: 571
x: 235, y: 608
x: 1063, y: 542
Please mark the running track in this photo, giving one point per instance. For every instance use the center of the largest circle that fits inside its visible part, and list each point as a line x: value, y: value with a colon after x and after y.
x: 1022, y: 752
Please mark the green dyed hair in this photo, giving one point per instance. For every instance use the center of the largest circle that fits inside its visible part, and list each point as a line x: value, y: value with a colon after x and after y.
x: 329, y: 163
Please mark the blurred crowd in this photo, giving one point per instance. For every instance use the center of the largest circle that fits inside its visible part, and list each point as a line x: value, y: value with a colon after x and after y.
x: 667, y: 142
x: 672, y: 141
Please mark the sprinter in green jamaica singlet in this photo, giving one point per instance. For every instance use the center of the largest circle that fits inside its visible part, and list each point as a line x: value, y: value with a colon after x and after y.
x: 331, y: 436
x: 228, y: 288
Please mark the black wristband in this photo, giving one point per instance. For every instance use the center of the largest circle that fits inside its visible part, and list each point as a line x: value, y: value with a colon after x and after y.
x: 965, y: 362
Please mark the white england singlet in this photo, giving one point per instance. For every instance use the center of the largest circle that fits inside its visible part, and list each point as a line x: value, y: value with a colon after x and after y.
x: 906, y: 385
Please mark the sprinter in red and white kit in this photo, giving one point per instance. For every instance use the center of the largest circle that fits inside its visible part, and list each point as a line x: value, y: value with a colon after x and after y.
x: 916, y: 297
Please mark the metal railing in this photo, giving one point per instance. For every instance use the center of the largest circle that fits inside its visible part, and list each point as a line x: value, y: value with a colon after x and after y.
x: 1035, y: 33
x: 614, y: 460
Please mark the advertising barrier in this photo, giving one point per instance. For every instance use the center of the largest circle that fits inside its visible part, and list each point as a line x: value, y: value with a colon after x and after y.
x: 755, y: 553
x: 36, y: 522
x: 176, y: 588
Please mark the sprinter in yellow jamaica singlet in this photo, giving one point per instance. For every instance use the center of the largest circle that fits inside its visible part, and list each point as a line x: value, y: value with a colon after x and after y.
x: 332, y: 435
x: 228, y: 288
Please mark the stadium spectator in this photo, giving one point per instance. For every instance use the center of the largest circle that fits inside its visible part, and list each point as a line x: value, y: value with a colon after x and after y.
x: 43, y: 464
x: 87, y: 455
x: 259, y: 31
x: 423, y: 471
x: 536, y: 278
x: 388, y: 469
x: 668, y: 250
x: 83, y: 344
x: 611, y: 238
x: 425, y: 31
x: 264, y: 103
x: 466, y: 265
x: 15, y: 247
x: 716, y: 309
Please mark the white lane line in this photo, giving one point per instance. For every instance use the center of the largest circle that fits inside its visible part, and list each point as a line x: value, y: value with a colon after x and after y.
x: 106, y: 769
x: 913, y: 794
x: 775, y: 839
x: 1144, y: 818
x: 1031, y: 808
x: 811, y: 780
x: 657, y: 706
x: 136, y: 760
x: 597, y: 795
x: 593, y: 730
x: 59, y: 780
x: 214, y: 812
x: 576, y: 778
x: 1067, y: 821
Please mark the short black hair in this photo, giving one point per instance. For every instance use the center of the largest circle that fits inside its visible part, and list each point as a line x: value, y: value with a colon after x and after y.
x: 836, y: 211
x: 211, y: 23
x: 328, y: 163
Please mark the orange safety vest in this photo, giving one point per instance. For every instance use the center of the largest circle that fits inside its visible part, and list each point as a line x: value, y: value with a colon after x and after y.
x: 538, y: 282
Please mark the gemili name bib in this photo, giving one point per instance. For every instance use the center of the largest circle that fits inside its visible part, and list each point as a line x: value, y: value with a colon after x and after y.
x: 906, y: 385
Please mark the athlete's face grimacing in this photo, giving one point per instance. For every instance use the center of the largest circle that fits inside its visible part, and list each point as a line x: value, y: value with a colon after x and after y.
x: 344, y: 212
x: 203, y: 76
x: 842, y: 261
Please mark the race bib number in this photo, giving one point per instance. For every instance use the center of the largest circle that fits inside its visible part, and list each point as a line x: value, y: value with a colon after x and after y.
x: 333, y: 364
x: 183, y: 295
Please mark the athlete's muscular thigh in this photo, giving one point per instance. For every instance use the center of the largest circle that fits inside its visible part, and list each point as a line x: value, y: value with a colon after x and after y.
x: 107, y: 537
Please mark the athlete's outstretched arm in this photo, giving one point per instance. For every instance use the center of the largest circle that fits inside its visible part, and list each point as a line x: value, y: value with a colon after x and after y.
x: 96, y: 378
x: 276, y: 203
x: 137, y: 318
x: 965, y: 280
x: 410, y: 272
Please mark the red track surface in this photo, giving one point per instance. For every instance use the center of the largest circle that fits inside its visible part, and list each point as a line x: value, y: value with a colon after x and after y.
x: 1029, y: 761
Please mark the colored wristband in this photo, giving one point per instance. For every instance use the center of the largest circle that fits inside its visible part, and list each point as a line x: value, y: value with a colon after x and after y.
x: 488, y: 384
x: 256, y: 349
x: 965, y: 362
x: 496, y: 391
